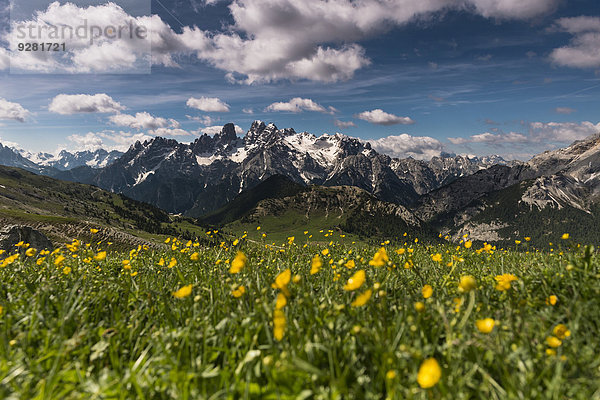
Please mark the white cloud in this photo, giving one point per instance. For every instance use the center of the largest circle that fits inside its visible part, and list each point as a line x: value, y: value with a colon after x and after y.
x: 169, y: 132
x: 12, y: 111
x: 562, y: 132
x: 380, y: 117
x: 204, y: 120
x: 492, y: 138
x: 142, y: 120
x: 213, y: 130
x: 248, y: 111
x: 584, y: 49
x: 404, y: 145
x: 84, y: 103
x: 298, y: 104
x: 208, y: 104
x: 538, y: 134
x: 513, y: 9
x: 268, y: 40
x: 564, y: 110
x: 89, y: 52
x: 344, y: 124
x: 108, y: 140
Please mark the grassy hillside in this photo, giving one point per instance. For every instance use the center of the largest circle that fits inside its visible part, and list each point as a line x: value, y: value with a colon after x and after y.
x: 204, y: 322
x: 64, y: 210
x: 285, y: 209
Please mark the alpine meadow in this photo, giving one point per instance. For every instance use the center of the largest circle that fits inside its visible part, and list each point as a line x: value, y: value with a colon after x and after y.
x: 299, y: 200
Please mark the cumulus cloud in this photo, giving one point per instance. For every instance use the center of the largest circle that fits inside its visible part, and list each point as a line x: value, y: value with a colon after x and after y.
x: 108, y: 140
x: 208, y: 104
x: 344, y: 124
x: 268, y: 40
x: 404, y: 145
x: 115, y: 51
x: 12, y: 111
x: 298, y: 104
x: 142, y: 120
x: 213, y: 130
x: 562, y: 132
x: 491, y: 138
x: 380, y: 117
x: 584, y: 49
x: 84, y: 103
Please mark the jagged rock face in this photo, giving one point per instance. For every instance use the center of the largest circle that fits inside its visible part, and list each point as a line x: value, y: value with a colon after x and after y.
x: 557, y: 191
x: 439, y: 171
x: 12, y: 235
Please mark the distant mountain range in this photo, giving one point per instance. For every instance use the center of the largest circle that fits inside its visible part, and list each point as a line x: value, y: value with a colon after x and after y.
x: 489, y: 197
x: 50, y: 164
x: 197, y: 178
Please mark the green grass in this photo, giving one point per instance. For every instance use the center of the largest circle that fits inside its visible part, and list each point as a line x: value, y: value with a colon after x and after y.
x: 100, y: 333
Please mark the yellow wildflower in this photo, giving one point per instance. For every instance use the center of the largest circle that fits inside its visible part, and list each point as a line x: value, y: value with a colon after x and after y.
x: 380, y: 258
x: 436, y: 257
x: 429, y: 373
x: 184, y: 291
x: 195, y: 256
x: 485, y: 325
x: 101, y: 256
x: 427, y: 291
x: 283, y: 279
x: 504, y: 281
x: 561, y: 331
x: 315, y: 264
x: 420, y: 306
x: 238, y: 263
x: 59, y: 260
x: 278, y: 324
x: 467, y: 283
x: 362, y: 299
x: 553, y: 341
x: 238, y: 292
x: 280, y: 302
x: 355, y: 281
x: 551, y: 300
x: 172, y: 263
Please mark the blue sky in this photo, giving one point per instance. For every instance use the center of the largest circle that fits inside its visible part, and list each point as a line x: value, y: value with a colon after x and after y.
x: 471, y: 78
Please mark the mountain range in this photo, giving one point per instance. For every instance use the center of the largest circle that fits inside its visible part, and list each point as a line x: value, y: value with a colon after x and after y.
x: 197, y: 178
x: 488, y: 197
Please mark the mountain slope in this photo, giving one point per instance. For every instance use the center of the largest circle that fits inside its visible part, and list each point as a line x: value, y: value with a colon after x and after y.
x: 552, y: 193
x: 345, y: 209
x: 275, y: 187
x: 64, y: 210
